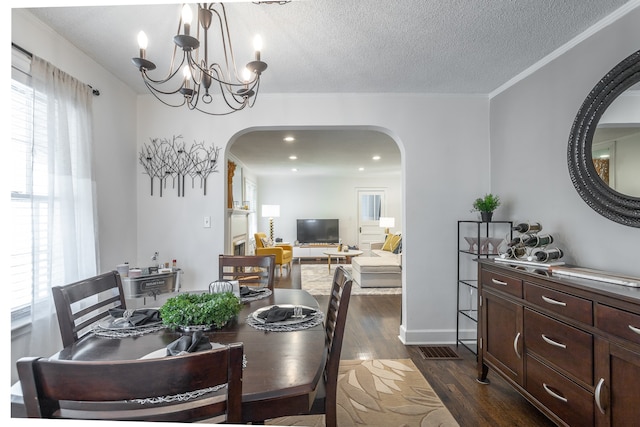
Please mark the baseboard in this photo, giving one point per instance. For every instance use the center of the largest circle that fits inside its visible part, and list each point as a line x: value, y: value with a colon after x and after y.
x: 432, y: 336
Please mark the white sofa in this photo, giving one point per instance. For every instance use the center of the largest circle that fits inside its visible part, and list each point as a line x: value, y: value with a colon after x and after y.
x: 381, y: 269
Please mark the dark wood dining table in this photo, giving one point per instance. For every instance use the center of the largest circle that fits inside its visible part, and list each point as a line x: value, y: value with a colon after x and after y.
x: 282, y: 368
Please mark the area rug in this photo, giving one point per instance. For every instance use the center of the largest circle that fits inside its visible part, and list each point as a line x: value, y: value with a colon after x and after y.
x: 384, y: 392
x: 316, y: 279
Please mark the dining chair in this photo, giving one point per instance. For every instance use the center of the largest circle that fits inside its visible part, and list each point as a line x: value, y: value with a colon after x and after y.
x: 249, y: 270
x: 325, y: 400
x: 81, y: 304
x: 197, y: 386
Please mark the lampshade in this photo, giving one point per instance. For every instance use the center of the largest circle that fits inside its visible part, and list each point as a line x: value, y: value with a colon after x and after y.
x: 387, y: 222
x: 270, y: 211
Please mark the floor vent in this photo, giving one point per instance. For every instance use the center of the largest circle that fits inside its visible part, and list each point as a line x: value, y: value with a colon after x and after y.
x: 438, y: 352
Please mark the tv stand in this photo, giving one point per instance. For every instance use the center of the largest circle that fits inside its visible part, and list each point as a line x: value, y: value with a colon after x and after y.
x: 312, y: 250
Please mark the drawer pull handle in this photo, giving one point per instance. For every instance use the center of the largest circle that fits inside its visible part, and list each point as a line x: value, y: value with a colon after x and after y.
x: 598, y: 394
x: 552, y: 342
x: 499, y: 282
x: 515, y: 345
x: 554, y: 394
x: 553, y: 301
x: 634, y: 329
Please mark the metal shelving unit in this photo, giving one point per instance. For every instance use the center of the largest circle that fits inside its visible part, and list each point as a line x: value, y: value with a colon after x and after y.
x: 476, y: 239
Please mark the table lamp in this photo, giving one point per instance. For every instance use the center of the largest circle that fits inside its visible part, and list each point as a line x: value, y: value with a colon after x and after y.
x: 387, y: 222
x: 270, y: 211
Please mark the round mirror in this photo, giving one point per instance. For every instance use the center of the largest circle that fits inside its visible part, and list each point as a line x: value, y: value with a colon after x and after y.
x: 608, y: 193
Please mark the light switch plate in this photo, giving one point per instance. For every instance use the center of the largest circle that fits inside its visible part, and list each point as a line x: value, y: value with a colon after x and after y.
x: 207, y: 222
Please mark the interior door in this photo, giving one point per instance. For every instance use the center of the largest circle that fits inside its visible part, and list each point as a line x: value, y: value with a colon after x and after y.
x: 371, y: 204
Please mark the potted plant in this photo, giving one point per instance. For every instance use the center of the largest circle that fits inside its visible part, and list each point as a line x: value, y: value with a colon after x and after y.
x: 486, y: 205
x: 202, y: 311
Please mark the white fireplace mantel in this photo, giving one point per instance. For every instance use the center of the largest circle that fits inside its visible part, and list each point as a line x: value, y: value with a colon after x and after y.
x: 238, y: 226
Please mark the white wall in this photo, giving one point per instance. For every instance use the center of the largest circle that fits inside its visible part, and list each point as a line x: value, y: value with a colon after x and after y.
x: 530, y: 126
x: 324, y: 197
x: 445, y: 161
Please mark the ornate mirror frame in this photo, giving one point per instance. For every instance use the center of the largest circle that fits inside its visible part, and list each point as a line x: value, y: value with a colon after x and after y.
x: 594, y: 191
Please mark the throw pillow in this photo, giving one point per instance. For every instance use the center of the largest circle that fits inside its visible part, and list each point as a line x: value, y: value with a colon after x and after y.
x: 392, y: 242
x: 398, y: 248
x: 265, y: 242
x: 386, y: 246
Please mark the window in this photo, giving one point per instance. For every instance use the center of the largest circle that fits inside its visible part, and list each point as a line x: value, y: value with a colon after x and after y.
x: 52, y: 219
x: 27, y: 190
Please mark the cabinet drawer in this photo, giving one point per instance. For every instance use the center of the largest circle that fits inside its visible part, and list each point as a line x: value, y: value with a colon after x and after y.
x: 576, y: 308
x: 564, y: 346
x: 618, y: 322
x: 502, y: 283
x: 570, y: 402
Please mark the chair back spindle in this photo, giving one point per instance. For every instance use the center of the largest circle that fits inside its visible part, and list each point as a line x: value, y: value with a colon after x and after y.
x: 249, y: 270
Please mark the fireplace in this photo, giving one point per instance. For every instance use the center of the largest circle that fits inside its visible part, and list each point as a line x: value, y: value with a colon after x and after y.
x: 238, y: 234
x: 239, y: 247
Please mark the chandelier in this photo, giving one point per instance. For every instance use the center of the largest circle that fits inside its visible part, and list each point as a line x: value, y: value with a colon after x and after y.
x: 192, y: 80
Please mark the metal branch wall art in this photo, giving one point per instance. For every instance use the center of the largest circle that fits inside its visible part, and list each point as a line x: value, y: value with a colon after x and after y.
x: 172, y: 161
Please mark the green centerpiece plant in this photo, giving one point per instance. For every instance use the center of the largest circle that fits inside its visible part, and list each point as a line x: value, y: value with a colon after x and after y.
x: 204, y: 310
x: 486, y: 205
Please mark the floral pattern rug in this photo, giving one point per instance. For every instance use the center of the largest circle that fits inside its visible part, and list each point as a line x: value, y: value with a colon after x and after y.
x: 316, y: 279
x: 384, y: 392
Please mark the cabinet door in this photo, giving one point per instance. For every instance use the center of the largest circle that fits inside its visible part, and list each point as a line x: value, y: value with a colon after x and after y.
x: 617, y: 386
x: 502, y: 336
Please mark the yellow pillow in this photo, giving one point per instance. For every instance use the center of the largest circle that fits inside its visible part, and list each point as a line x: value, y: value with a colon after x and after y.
x: 392, y: 242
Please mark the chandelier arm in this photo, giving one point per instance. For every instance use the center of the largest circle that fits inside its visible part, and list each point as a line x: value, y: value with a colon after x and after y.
x: 218, y: 70
x: 225, y: 36
x: 255, y: 97
x: 173, y: 72
x: 155, y: 92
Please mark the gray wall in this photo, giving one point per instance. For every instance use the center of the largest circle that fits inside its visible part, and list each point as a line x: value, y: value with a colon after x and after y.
x: 530, y: 126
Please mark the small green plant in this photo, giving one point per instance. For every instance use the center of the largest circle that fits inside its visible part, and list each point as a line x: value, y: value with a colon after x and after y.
x: 200, y: 309
x: 488, y: 203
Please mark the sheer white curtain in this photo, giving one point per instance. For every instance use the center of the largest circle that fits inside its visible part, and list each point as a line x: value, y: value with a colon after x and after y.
x: 62, y: 139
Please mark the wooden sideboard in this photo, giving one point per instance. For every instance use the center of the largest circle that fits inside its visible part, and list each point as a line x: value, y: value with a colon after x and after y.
x: 570, y: 346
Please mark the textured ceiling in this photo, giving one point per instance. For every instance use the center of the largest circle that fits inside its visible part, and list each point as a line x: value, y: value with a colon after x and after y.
x: 423, y: 46
x: 357, y: 46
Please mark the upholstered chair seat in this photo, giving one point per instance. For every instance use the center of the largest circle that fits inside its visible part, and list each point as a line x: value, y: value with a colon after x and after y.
x: 283, y: 253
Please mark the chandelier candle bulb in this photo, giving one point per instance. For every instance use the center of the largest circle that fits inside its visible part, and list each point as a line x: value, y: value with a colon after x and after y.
x: 187, y: 16
x: 257, y: 46
x: 143, y: 41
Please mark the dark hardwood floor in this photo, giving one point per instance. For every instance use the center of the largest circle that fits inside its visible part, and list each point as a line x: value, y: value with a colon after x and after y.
x: 372, y: 333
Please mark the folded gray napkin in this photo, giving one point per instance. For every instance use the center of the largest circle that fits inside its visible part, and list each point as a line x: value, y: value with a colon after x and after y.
x: 279, y: 314
x: 139, y: 317
x: 246, y: 291
x: 189, y: 344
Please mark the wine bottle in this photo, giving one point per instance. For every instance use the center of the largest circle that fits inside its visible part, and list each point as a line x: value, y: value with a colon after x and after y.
x: 548, y: 255
x: 515, y: 241
x: 535, y: 241
x: 515, y: 252
x: 526, y: 227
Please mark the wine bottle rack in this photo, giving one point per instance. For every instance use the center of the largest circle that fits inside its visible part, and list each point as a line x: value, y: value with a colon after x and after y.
x: 531, y: 245
x: 476, y: 239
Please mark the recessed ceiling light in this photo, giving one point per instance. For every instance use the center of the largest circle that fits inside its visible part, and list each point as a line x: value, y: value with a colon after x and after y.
x: 293, y: 157
x: 376, y: 157
x: 289, y: 139
x: 294, y: 170
x: 361, y: 169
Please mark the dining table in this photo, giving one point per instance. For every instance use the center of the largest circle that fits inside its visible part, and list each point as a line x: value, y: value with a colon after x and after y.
x: 282, y: 368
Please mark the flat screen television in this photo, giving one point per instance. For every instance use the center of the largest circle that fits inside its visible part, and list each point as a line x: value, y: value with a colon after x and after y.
x: 318, y: 231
